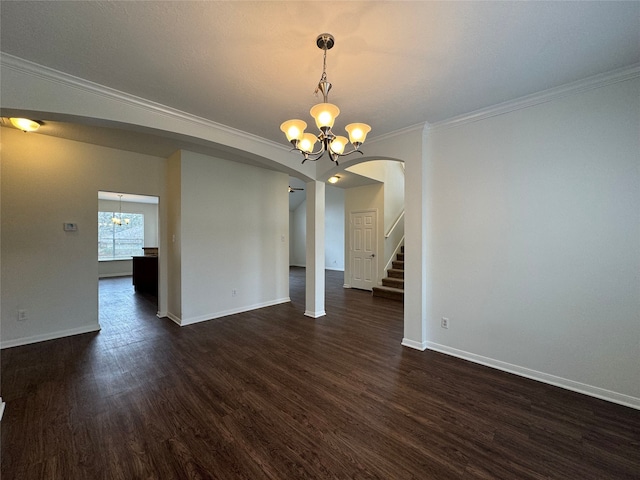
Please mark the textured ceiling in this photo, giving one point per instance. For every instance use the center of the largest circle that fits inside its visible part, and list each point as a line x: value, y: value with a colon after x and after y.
x: 252, y: 65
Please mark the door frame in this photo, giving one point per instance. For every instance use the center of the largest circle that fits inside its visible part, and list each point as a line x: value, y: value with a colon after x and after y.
x: 350, y: 249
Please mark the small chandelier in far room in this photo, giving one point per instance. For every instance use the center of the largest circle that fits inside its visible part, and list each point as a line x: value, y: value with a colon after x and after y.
x: 324, y: 114
x: 118, y: 220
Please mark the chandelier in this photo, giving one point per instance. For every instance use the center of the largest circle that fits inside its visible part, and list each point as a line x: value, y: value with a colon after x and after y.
x: 325, y: 115
x: 119, y: 220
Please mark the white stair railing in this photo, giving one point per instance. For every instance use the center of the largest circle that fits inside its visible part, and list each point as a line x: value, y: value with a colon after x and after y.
x: 395, y: 224
x: 393, y: 257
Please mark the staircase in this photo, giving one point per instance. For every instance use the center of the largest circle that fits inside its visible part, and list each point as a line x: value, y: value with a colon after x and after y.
x: 393, y: 284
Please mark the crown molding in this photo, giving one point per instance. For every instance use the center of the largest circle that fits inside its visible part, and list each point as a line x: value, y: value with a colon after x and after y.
x: 49, y: 74
x: 396, y: 133
x: 580, y: 86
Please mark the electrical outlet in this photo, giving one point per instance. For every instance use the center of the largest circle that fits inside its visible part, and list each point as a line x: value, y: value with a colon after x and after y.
x: 22, y: 315
x: 444, y: 322
x: 234, y: 292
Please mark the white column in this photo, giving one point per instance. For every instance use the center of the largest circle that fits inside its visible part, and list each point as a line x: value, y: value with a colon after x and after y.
x: 314, y: 299
x: 417, y: 290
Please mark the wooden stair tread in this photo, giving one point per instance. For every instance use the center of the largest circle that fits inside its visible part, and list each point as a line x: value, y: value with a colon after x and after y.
x: 388, y: 289
x: 395, y: 273
x: 388, y: 292
x: 393, y: 284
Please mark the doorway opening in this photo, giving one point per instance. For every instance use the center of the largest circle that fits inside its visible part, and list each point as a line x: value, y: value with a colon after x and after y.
x: 128, y: 238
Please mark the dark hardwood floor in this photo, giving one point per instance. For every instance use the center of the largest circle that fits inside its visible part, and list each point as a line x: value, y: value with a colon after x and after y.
x: 274, y: 394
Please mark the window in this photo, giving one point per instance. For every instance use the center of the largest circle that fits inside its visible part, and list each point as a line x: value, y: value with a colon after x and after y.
x: 116, y: 242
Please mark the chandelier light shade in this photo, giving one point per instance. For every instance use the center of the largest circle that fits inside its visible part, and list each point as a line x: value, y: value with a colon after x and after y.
x: 293, y: 129
x: 325, y: 115
x: 357, y: 132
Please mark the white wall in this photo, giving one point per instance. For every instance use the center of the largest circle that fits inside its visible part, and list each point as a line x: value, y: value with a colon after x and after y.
x: 334, y: 231
x: 334, y: 228
x: 233, y: 235
x: 174, y: 243
x: 298, y: 235
x: 390, y: 173
x: 117, y: 268
x: 50, y: 273
x: 535, y: 241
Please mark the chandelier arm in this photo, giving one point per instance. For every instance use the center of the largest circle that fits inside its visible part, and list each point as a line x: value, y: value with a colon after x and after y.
x: 315, y: 155
x: 323, y: 148
x: 349, y: 153
x: 334, y: 156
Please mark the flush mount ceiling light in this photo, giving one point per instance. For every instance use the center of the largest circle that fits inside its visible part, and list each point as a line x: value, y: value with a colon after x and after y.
x: 325, y: 115
x: 25, y: 124
x: 333, y: 179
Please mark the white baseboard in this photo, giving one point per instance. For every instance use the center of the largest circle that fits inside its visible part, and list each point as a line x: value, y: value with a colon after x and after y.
x: 326, y: 268
x: 211, y: 316
x: 174, y: 318
x: 111, y: 275
x: 413, y: 344
x: 318, y: 314
x: 565, y: 383
x: 49, y: 336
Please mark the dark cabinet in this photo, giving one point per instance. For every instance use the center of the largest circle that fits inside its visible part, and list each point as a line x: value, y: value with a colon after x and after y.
x: 145, y: 274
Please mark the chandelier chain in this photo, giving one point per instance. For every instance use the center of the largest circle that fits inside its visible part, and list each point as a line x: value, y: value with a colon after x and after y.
x: 323, y: 77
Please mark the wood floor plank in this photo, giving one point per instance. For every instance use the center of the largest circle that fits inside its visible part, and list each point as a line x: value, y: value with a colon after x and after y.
x: 272, y: 394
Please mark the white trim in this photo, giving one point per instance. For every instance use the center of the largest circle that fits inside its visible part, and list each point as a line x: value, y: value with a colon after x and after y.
x: 212, y: 316
x: 346, y: 285
x: 174, y: 318
x: 326, y: 268
x: 589, y: 83
x: 395, y: 224
x: 112, y: 275
x: 2, y: 405
x: 161, y: 314
x: 319, y: 314
x: 397, y: 133
x: 349, y: 236
x: 393, y: 255
x: 549, y: 95
x: 30, y: 68
x: 422, y: 346
x: 565, y: 383
x: 18, y: 342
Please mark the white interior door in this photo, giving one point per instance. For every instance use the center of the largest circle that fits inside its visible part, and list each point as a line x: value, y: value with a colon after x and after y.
x: 363, y: 249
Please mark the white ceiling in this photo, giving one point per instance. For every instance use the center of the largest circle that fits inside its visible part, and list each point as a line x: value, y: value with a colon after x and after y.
x: 252, y: 65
